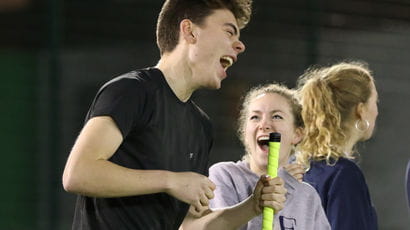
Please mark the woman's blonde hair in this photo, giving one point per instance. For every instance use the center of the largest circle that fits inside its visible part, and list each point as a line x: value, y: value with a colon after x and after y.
x: 329, y: 96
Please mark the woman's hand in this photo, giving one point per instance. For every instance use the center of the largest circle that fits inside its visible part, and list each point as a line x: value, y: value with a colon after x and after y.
x: 295, y: 170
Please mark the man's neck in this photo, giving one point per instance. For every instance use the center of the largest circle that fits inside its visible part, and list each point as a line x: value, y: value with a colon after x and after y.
x: 177, y: 75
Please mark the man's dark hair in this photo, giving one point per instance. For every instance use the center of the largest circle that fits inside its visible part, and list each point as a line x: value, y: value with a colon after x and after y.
x: 174, y: 11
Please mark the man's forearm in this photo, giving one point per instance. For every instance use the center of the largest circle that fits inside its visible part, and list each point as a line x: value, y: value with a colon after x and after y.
x: 102, y: 178
x: 225, y: 218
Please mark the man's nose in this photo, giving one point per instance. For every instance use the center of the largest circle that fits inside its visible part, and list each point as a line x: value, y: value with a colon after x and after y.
x: 239, y: 47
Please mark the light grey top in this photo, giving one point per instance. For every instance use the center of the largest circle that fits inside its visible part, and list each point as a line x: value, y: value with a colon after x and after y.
x: 235, y: 182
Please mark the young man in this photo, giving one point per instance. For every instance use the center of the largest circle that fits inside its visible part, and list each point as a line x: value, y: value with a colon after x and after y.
x: 142, y: 156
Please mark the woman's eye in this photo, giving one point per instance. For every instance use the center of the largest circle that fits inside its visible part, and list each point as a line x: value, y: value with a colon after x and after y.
x: 254, y: 117
x: 277, y: 117
x: 229, y: 32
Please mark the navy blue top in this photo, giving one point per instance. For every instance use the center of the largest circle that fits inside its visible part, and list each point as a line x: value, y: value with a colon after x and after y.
x: 344, y: 194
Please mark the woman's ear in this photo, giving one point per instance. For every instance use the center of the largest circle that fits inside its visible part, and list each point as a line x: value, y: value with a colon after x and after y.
x: 360, y: 110
x: 299, y: 134
x: 186, y: 28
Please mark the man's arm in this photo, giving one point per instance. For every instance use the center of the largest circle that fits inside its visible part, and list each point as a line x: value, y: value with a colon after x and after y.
x: 268, y: 193
x: 88, y: 171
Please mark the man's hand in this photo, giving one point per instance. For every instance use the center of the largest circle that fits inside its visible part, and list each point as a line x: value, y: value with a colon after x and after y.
x: 192, y: 188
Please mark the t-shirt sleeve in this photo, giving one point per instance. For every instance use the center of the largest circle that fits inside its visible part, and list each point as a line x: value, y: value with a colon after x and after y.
x: 123, y: 100
x: 225, y: 194
x: 349, y: 205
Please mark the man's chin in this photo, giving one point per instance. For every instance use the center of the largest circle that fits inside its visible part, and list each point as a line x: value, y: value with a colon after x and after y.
x: 213, y: 86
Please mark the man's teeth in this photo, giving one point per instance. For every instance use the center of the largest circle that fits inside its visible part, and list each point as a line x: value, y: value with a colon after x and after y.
x: 226, y: 61
x: 230, y: 60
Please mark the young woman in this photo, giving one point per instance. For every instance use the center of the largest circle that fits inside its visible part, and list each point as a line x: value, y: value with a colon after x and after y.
x: 339, y: 110
x: 266, y: 109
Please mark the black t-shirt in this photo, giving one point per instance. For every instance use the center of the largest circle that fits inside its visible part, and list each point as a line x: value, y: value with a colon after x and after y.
x: 159, y: 132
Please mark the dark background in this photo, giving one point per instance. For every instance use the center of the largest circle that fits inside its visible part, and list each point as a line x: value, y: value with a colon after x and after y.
x: 55, y: 54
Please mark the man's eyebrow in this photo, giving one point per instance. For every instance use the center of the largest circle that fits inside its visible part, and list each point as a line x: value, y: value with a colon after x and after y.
x: 235, y: 30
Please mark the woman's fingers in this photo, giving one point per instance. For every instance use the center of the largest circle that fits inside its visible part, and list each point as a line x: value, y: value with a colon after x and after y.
x: 295, y: 170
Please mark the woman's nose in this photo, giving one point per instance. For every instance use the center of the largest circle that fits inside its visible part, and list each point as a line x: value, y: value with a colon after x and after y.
x: 265, y: 125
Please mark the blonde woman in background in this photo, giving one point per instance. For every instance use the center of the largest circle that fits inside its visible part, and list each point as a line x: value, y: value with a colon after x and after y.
x: 339, y: 110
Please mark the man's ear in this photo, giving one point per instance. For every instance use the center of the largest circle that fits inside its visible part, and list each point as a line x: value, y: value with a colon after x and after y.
x: 186, y: 28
